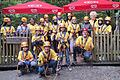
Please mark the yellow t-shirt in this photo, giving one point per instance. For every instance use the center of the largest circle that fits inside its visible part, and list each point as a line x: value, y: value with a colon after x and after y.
x: 55, y: 28
x: 68, y: 23
x: 34, y: 38
x: 25, y: 56
x: 61, y: 21
x: 44, y: 57
x: 74, y: 27
x: 62, y: 37
x: 32, y: 28
x: 6, y: 30
x: 87, y: 45
x: 94, y: 25
x: 106, y: 29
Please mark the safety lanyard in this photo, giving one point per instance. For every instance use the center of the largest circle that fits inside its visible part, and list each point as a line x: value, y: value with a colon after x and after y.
x: 6, y: 29
x: 55, y: 27
x: 23, y: 29
x: 84, y: 43
x: 104, y: 29
x: 25, y: 55
x: 94, y: 23
x: 100, y: 28
x: 74, y: 27
x: 61, y: 34
x: 60, y: 20
x: 46, y: 57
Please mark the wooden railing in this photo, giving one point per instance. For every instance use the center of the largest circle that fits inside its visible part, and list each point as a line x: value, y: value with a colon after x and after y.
x: 107, y: 48
x: 10, y: 47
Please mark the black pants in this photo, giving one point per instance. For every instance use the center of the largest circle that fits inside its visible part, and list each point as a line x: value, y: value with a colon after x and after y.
x: 77, y: 50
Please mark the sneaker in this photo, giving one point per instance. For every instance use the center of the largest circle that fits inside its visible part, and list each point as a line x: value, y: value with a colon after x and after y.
x: 59, y: 68
x: 69, y: 68
x: 40, y: 76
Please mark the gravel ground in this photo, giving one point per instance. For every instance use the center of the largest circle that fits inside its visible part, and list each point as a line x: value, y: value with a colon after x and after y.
x: 78, y: 73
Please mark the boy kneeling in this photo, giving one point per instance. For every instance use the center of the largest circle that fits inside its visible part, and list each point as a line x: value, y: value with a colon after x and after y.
x: 25, y: 58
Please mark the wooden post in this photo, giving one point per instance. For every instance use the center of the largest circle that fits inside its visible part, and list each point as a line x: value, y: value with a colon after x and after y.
x: 108, y: 48
x: 101, y: 47
x: 104, y: 47
x: 111, y: 47
x: 11, y: 56
x: 114, y: 51
x: 3, y: 53
x: 7, y: 53
x: 118, y: 47
x: 0, y: 48
x: 98, y: 47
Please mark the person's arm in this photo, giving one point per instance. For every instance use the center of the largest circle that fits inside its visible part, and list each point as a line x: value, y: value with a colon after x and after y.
x: 54, y: 55
x: 109, y: 29
x: 40, y: 60
x: 20, y: 57
x: 57, y: 36
x: 33, y: 39
x: 69, y: 28
x: 78, y: 28
x: 18, y: 29
x: 2, y: 30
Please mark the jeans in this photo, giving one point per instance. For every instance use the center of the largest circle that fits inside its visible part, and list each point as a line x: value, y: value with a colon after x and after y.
x: 29, y: 63
x: 61, y: 54
x: 87, y: 55
x: 52, y: 64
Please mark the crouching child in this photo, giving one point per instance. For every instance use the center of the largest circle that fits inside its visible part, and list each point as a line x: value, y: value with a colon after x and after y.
x: 26, y: 60
x: 47, y: 59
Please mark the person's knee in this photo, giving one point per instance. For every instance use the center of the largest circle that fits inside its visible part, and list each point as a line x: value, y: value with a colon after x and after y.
x: 52, y: 62
x: 20, y: 63
x: 33, y: 63
x: 87, y: 55
x: 40, y: 69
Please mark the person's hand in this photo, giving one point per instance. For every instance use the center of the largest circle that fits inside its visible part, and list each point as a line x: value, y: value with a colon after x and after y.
x: 81, y: 46
x: 24, y: 31
x: 23, y: 61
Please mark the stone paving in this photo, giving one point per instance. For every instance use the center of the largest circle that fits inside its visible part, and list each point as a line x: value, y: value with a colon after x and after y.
x: 78, y: 73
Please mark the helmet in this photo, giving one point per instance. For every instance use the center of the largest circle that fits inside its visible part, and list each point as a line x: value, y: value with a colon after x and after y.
x: 54, y: 17
x: 46, y: 16
x: 6, y: 19
x: 24, y: 44
x: 41, y: 19
x: 59, y: 14
x: 24, y: 19
x: 108, y: 18
x: 100, y: 18
x: 84, y: 29
x: 46, y: 44
x: 37, y: 28
x: 69, y: 14
x: 73, y: 17
x: 86, y: 18
x: 93, y: 13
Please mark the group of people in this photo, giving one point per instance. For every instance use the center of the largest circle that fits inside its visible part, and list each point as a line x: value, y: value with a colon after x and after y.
x: 52, y: 39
